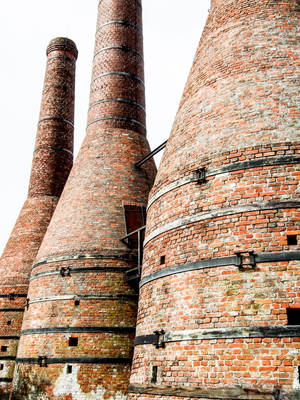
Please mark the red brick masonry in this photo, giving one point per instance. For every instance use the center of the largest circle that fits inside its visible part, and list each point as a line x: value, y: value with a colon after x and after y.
x: 52, y: 161
x: 81, y: 317
x: 227, y: 318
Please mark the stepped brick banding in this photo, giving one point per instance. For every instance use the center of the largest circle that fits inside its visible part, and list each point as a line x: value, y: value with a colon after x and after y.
x: 52, y: 162
x: 220, y: 272
x: 78, y: 331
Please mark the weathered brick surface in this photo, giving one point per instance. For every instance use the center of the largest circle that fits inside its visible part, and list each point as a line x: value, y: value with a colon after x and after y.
x: 52, y: 161
x: 238, y: 118
x: 103, y: 380
x: 85, y: 231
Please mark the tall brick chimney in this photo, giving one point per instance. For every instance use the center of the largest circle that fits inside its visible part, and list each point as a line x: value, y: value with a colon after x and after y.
x: 219, y: 305
x: 78, y: 331
x: 52, y: 161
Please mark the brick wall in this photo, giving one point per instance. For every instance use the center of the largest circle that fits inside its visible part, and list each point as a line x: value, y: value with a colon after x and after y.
x: 78, y: 288
x: 224, y: 315
x: 52, y: 161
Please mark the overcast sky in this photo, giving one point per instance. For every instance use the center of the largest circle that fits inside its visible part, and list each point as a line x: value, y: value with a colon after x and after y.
x: 172, y: 30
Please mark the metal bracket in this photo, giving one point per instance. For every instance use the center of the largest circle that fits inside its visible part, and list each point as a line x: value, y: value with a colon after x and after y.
x: 201, y: 175
x: 159, y: 344
x: 245, y: 260
x: 150, y: 155
x: 42, y: 361
x: 65, y: 271
x: 27, y: 303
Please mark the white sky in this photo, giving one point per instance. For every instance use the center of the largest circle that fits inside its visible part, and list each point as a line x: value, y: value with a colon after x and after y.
x: 172, y: 30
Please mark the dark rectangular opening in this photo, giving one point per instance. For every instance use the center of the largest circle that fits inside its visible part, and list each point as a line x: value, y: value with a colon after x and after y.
x: 135, y: 218
x: 8, y: 322
x: 293, y: 316
x: 1, y: 367
x: 154, y: 374
x: 292, y: 240
x: 162, y: 260
x: 69, y: 369
x: 3, y: 349
x: 76, y: 303
x: 73, y: 341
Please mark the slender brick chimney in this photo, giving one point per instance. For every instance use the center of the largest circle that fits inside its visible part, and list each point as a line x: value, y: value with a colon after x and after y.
x: 52, y: 161
x: 78, y: 331
x: 219, y: 309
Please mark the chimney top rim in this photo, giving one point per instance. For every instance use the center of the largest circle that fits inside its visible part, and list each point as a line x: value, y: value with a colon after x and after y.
x: 62, y: 44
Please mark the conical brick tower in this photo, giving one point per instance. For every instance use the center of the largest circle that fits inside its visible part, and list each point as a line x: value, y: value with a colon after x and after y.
x: 52, y: 162
x: 78, y: 332
x: 219, y: 296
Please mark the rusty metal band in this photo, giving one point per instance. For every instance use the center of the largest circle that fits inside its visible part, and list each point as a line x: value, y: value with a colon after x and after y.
x: 9, y: 337
x: 8, y: 358
x: 80, y: 270
x: 95, y: 360
x: 236, y: 392
x: 118, y: 100
x: 125, y: 23
x: 95, y: 256
x: 11, y: 309
x: 56, y: 148
x: 117, y: 297
x: 115, y: 118
x: 259, y: 162
x: 73, y: 60
x: 182, y: 223
x: 63, y: 87
x: 56, y: 119
x: 122, y: 74
x: 219, y: 262
x: 280, y: 331
x: 79, y: 329
x: 126, y: 49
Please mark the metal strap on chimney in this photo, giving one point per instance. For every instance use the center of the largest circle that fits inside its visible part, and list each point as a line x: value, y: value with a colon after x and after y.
x: 56, y: 119
x: 117, y: 297
x: 120, y: 73
x: 122, y: 23
x: 118, y: 100
x: 117, y: 118
x: 227, y: 168
x: 184, y: 221
x: 74, y: 257
x: 68, y: 271
x: 220, y: 262
x: 161, y: 337
x: 126, y: 49
x: 57, y: 148
x: 79, y: 329
x: 237, y: 392
x: 44, y: 361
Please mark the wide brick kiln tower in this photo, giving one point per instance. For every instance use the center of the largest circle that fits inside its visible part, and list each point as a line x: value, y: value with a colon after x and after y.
x: 219, y: 296
x: 52, y: 162
x: 78, y: 331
